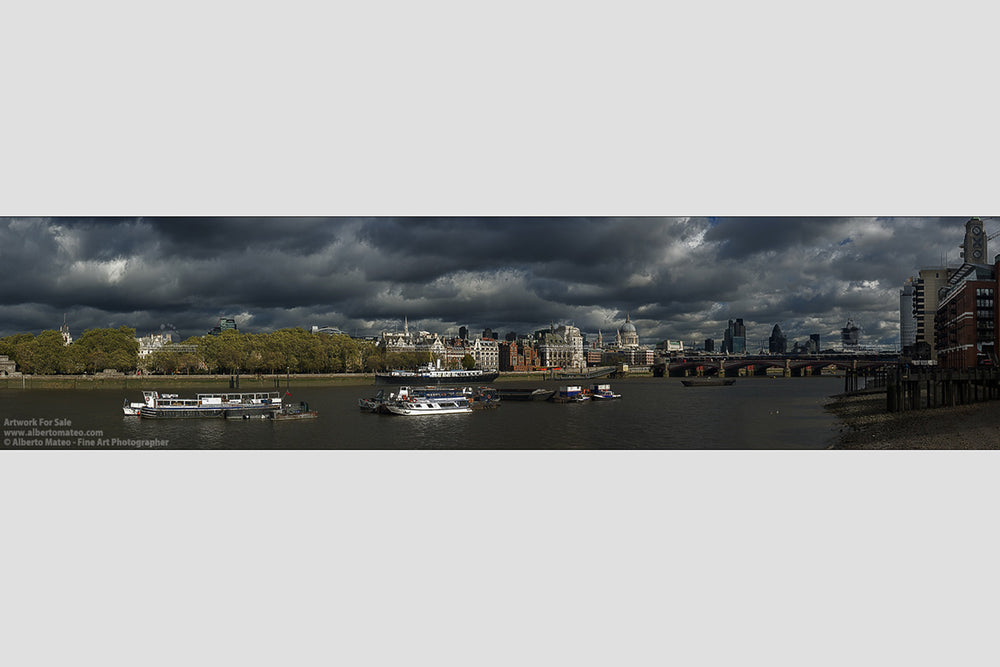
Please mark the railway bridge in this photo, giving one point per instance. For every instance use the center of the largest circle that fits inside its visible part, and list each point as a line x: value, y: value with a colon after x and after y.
x: 786, y: 365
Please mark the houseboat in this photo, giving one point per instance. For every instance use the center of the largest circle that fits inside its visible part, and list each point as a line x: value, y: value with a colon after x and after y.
x: 212, y: 406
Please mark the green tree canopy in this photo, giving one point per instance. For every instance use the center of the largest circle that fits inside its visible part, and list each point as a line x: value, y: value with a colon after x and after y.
x: 98, y: 349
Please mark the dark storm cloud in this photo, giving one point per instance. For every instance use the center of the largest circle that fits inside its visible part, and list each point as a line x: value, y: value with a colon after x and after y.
x: 676, y: 277
x: 549, y: 247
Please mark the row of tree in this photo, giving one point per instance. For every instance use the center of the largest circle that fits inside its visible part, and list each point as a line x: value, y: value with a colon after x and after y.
x: 286, y: 350
x: 92, y: 352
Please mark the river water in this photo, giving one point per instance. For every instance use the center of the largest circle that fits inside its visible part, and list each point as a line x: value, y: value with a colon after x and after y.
x: 653, y: 413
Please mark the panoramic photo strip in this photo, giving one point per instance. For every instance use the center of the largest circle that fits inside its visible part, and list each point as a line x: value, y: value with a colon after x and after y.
x: 500, y: 333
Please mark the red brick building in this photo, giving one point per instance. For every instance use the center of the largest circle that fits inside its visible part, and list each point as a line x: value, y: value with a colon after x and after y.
x: 516, y: 357
x: 967, y: 318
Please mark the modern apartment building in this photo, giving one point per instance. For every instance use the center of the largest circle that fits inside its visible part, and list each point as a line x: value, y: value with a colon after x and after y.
x: 907, y: 320
x: 930, y: 286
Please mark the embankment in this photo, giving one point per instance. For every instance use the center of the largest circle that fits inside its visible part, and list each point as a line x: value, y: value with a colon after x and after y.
x: 213, y: 382
x: 865, y: 424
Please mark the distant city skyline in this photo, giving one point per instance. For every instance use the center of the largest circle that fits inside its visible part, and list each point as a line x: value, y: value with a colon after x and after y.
x: 678, y: 278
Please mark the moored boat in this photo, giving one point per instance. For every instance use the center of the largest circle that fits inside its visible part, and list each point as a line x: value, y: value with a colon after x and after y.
x: 484, y: 398
x: 602, y: 392
x: 373, y: 404
x: 524, y: 393
x: 289, y: 413
x: 410, y: 401
x: 708, y: 382
x: 211, y: 406
x: 431, y: 374
x: 570, y: 394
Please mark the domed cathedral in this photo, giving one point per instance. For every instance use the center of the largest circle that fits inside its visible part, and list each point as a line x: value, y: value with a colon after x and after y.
x: 627, y: 336
x: 974, y: 246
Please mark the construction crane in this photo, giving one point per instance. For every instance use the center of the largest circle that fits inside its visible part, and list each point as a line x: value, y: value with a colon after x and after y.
x: 995, y: 234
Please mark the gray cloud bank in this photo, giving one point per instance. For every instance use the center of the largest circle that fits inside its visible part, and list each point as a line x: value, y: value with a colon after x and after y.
x: 679, y: 278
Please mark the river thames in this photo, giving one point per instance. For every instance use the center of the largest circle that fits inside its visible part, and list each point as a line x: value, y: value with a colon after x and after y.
x: 653, y: 413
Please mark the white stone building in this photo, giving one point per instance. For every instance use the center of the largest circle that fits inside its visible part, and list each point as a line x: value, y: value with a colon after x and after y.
x: 151, y: 343
x: 561, y: 346
x: 7, y: 367
x: 486, y: 352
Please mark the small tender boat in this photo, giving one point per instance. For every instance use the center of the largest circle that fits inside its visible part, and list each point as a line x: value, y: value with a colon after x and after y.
x: 374, y: 404
x: 708, y: 382
x: 429, y: 401
x: 570, y: 394
x: 602, y: 392
x: 289, y: 413
x: 484, y: 398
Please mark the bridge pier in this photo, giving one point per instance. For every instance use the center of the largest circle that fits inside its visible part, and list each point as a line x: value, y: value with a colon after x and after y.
x: 940, y: 388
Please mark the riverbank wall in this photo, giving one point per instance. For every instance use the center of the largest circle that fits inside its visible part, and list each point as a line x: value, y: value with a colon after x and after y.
x: 221, y: 382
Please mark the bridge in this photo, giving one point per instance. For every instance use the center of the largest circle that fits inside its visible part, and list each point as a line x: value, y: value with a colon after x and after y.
x: 589, y: 374
x: 788, y: 365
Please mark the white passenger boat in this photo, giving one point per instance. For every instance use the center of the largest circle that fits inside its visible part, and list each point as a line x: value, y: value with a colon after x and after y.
x: 431, y: 374
x: 218, y: 406
x: 409, y: 401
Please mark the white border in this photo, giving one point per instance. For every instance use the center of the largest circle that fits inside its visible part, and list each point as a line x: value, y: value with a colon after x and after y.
x: 498, y: 558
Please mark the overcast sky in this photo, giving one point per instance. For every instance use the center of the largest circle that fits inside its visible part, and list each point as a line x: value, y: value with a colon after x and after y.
x: 679, y: 278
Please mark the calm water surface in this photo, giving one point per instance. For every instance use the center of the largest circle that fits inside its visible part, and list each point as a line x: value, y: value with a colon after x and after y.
x: 653, y: 413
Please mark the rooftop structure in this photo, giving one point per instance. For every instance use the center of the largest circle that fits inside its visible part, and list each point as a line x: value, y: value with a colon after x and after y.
x: 627, y: 336
x: 64, y: 330
x: 328, y: 330
x: 225, y: 324
x: 974, y: 247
